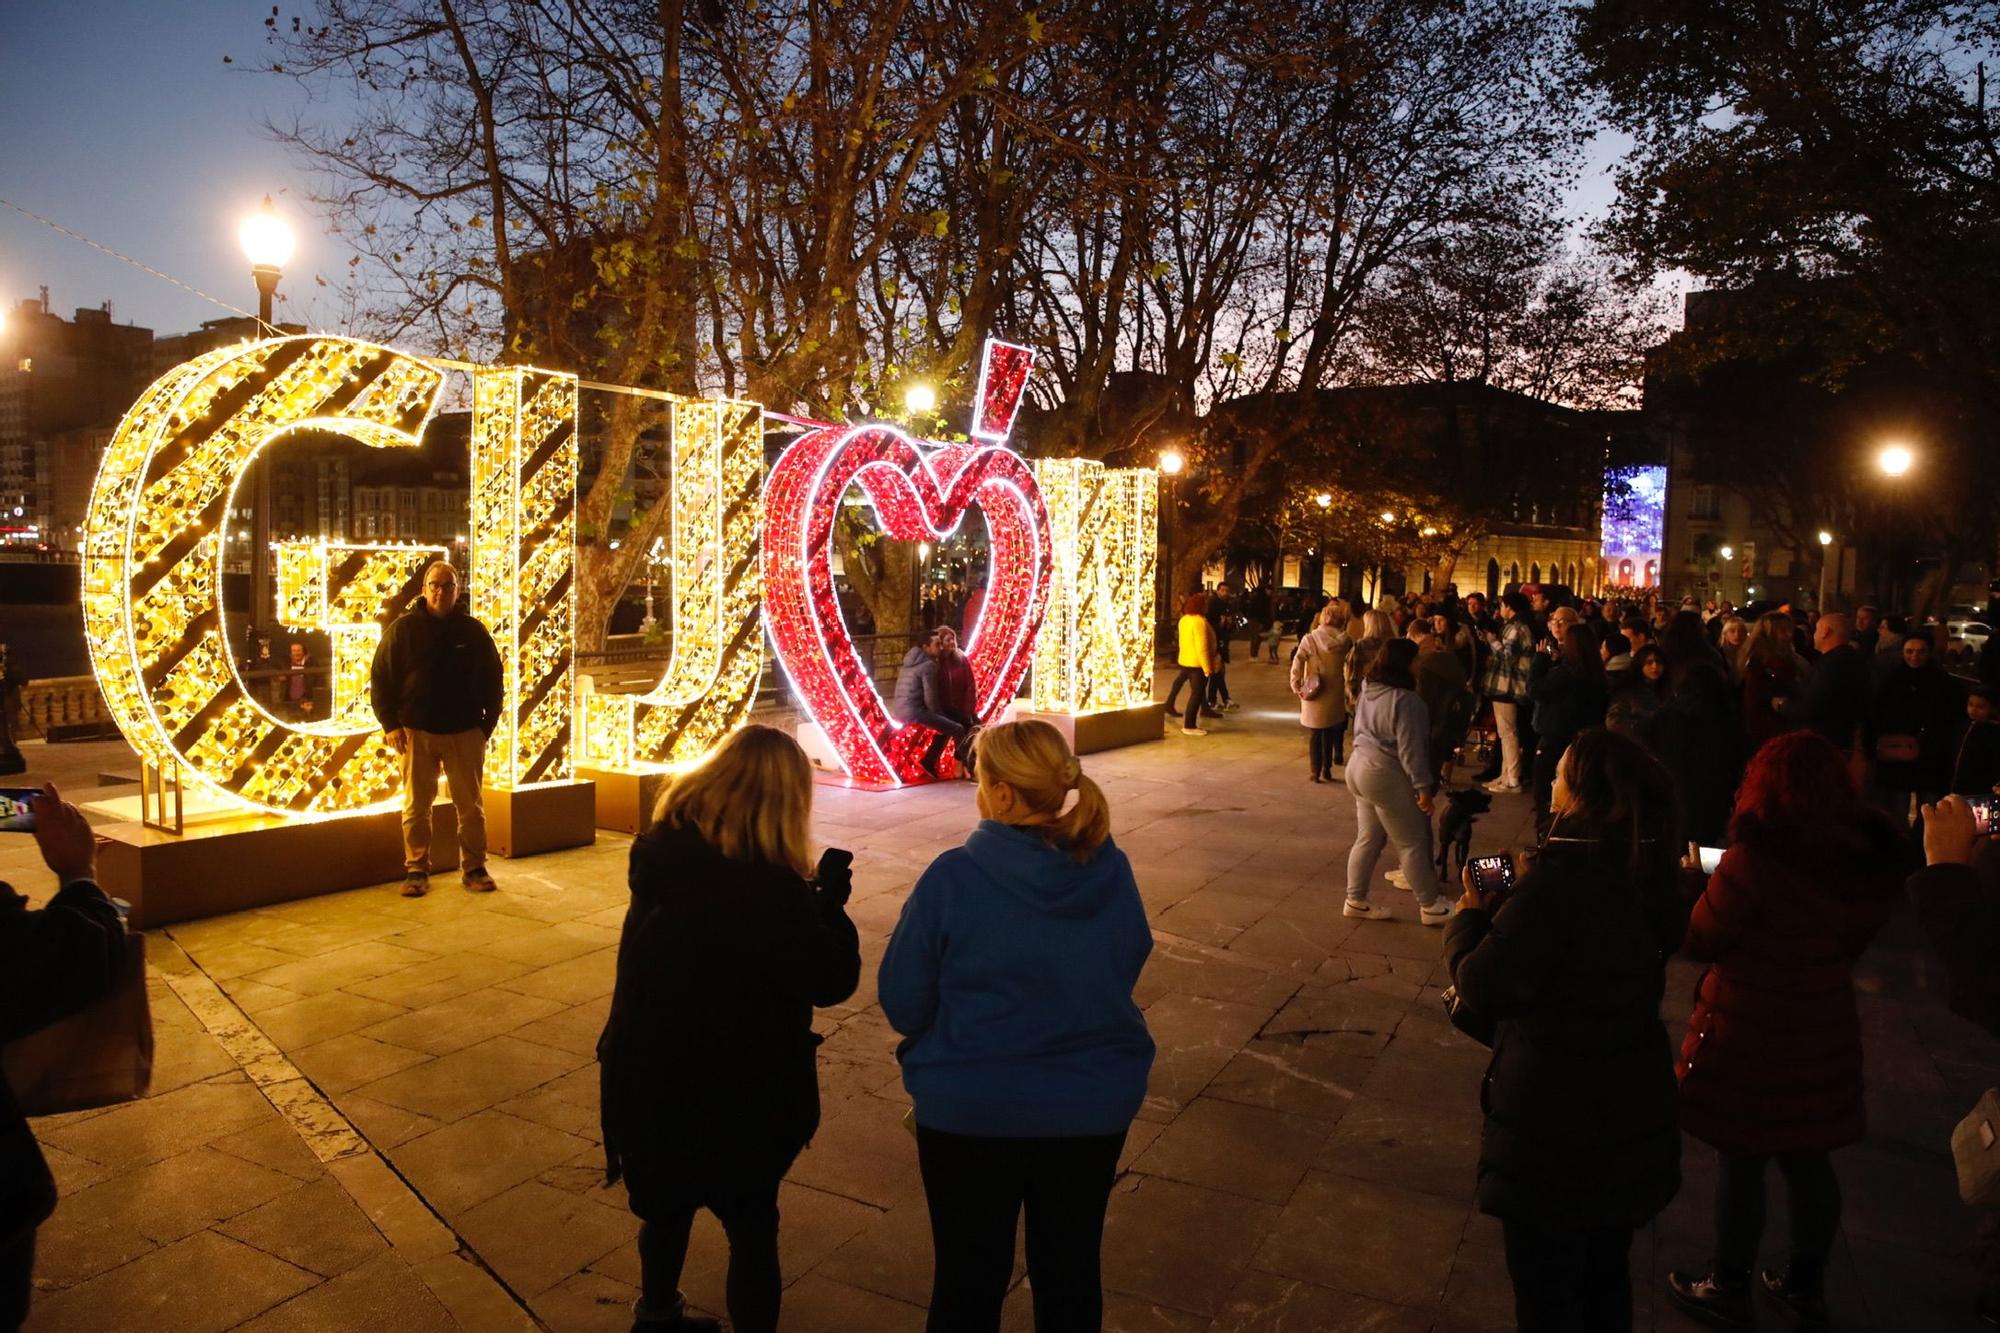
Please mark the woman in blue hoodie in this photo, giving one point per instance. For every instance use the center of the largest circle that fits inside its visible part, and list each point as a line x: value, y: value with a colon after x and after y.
x: 1010, y: 977
x: 1389, y: 772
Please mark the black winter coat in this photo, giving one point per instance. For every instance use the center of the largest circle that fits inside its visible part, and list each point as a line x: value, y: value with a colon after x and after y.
x: 1924, y: 702
x: 440, y: 674
x: 52, y: 963
x: 1581, y: 1125
x: 1566, y: 702
x: 1961, y: 915
x: 707, y: 1061
x: 1698, y: 737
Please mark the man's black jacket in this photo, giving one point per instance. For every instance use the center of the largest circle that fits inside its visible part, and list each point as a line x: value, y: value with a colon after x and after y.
x: 439, y: 674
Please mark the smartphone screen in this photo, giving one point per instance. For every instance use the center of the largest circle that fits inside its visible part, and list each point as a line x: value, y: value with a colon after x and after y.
x: 1710, y: 858
x: 1985, y: 814
x: 17, y: 813
x: 1492, y: 874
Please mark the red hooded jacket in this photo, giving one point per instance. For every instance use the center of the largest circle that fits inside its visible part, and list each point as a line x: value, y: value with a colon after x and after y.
x: 1771, y: 1062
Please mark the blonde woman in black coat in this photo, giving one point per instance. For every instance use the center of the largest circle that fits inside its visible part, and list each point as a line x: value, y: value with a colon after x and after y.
x: 710, y: 1086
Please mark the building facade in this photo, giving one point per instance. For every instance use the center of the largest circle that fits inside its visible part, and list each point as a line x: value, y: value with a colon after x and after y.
x: 57, y: 376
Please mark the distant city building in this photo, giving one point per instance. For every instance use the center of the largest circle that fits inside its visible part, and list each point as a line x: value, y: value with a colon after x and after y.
x: 1538, y: 470
x: 57, y: 376
x: 414, y: 495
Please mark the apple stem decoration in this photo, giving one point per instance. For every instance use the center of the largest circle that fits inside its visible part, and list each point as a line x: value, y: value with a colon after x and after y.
x: 920, y: 490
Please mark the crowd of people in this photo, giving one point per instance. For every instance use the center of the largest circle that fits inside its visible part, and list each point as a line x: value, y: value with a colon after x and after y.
x: 1747, y: 791
x: 1811, y: 757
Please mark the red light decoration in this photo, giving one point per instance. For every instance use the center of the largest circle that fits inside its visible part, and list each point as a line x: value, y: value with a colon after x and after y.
x: 919, y: 494
x: 1003, y: 374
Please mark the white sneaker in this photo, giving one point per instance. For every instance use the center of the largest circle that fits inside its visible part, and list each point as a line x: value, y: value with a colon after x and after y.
x: 1503, y: 788
x: 1398, y: 880
x: 1193, y: 731
x: 1365, y: 910
x: 1437, y: 913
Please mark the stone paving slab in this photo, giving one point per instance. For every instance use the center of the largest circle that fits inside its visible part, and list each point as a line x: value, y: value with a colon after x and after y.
x: 1304, y: 1160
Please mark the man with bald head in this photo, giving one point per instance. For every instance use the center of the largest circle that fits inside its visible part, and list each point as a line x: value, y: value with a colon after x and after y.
x: 436, y: 687
x: 1834, y: 698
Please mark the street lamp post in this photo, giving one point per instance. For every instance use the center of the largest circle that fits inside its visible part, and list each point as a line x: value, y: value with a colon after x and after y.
x: 1325, y: 503
x: 267, y: 243
x: 1171, y: 464
x: 652, y: 564
x: 1826, y: 558
x: 1894, y: 460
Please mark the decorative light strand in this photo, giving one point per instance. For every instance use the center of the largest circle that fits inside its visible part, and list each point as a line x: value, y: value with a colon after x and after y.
x: 1095, y: 651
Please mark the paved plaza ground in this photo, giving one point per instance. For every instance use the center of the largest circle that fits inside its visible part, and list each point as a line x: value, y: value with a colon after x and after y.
x: 371, y: 1112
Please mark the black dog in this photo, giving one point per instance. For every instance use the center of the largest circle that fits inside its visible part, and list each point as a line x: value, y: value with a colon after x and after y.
x: 1461, y: 809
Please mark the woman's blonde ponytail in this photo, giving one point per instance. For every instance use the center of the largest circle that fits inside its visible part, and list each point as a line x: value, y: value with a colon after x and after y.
x: 1033, y: 758
x: 1085, y: 825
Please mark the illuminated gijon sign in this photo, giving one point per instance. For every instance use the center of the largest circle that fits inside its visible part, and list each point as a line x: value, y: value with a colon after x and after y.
x: 153, y: 563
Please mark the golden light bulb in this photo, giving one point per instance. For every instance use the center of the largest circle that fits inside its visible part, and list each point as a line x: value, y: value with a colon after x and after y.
x: 266, y: 238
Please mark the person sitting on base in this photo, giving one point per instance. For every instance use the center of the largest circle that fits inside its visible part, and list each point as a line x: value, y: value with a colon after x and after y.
x: 436, y: 686
x: 919, y: 699
x: 958, y: 688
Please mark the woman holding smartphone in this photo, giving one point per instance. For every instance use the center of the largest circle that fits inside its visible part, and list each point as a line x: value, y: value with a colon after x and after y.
x: 1580, y: 1146
x: 1770, y: 1067
x: 54, y: 962
x: 710, y: 1086
x: 1010, y: 976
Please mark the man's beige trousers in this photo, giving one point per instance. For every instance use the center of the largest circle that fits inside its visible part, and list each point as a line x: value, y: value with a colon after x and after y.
x: 461, y: 754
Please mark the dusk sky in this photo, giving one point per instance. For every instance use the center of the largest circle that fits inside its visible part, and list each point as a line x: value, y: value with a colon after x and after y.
x: 123, y: 123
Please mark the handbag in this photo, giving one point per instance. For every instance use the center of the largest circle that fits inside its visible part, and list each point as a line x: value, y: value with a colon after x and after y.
x: 1975, y: 1150
x: 1896, y: 749
x: 1312, y: 686
x: 1467, y: 1019
x: 99, y: 1056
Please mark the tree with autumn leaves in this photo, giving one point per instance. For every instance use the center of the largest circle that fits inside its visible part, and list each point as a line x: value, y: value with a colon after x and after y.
x: 1188, y: 209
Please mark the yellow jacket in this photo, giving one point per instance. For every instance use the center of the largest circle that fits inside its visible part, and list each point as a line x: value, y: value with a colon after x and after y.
x: 1198, y: 644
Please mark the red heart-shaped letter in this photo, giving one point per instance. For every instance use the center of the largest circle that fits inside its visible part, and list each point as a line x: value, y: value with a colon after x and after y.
x: 920, y: 494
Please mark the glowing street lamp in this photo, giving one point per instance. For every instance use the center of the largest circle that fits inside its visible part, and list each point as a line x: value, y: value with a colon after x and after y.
x: 267, y: 243
x: 1726, y: 552
x: 1825, y: 537
x: 919, y: 399
x: 1171, y: 462
x: 1895, y: 460
x: 1825, y: 565
x: 1387, y: 516
x: 1323, y: 500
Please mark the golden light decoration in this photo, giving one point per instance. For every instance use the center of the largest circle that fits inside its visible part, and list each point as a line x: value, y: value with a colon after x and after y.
x: 349, y: 592
x: 524, y: 469
x: 718, y: 641
x: 1095, y: 652
x: 152, y: 564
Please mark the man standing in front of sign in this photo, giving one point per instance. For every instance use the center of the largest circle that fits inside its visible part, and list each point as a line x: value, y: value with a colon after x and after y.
x: 436, y: 687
